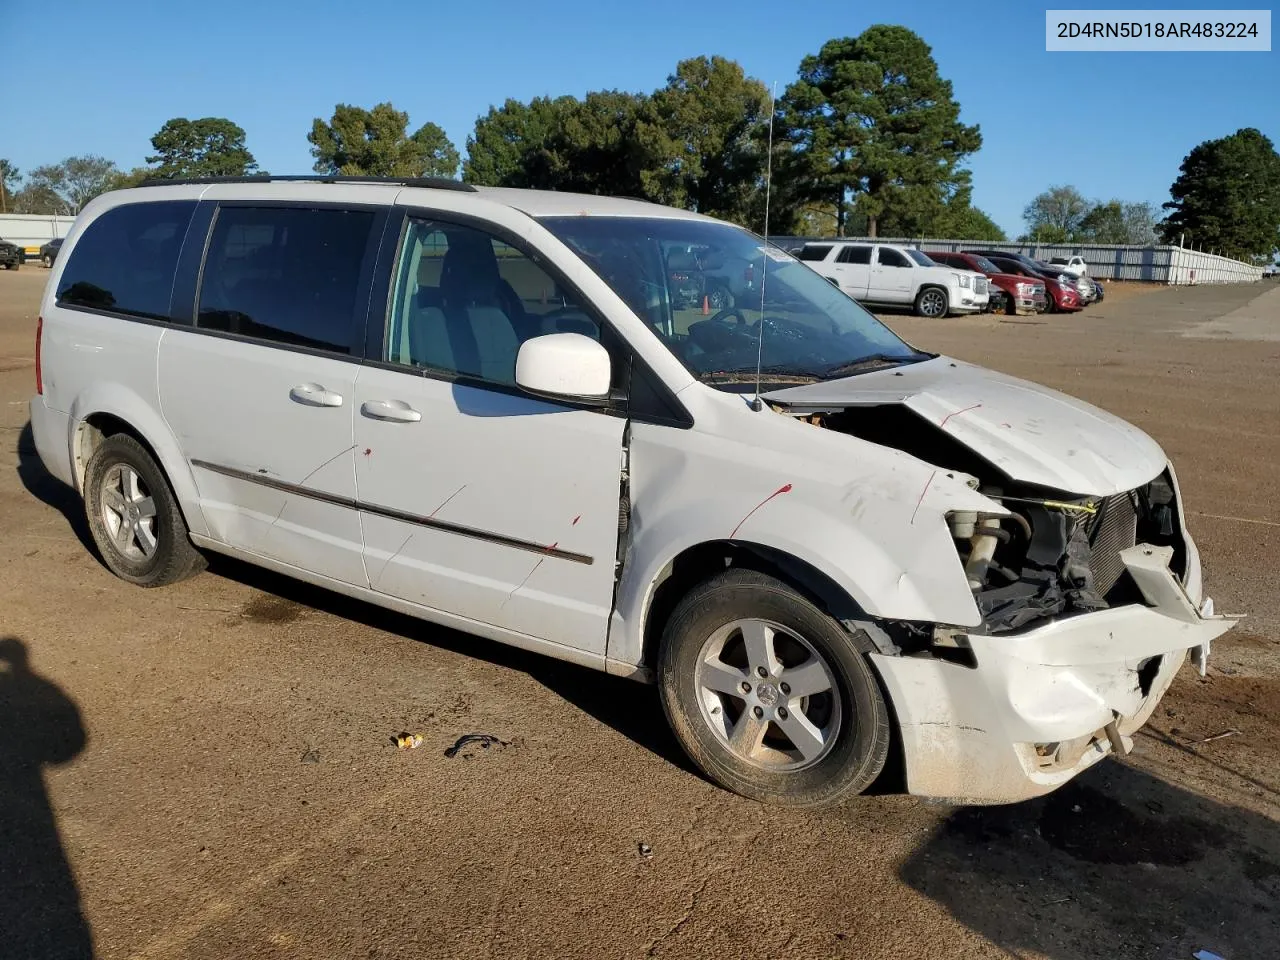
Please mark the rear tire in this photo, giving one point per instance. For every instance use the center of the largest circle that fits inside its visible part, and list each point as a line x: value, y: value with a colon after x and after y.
x: 134, y: 517
x: 770, y: 696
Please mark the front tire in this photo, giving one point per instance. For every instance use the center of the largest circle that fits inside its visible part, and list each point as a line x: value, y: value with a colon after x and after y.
x: 771, y: 697
x: 134, y: 517
x: 932, y: 302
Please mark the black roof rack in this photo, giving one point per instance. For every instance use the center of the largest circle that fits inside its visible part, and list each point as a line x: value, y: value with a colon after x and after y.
x: 436, y: 183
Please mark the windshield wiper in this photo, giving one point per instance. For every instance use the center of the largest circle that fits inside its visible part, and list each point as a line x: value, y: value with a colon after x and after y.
x: 774, y: 373
x: 876, y: 359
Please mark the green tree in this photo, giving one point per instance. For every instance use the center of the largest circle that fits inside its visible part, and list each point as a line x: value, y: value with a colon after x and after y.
x: 376, y: 143
x: 1227, y: 196
x: 1104, y: 223
x: 208, y: 147
x: 73, y: 182
x: 124, y: 179
x: 9, y: 179
x: 961, y: 221
x: 500, y: 152
x: 874, y: 129
x: 39, y: 198
x: 585, y: 146
x: 1056, y: 213
x: 703, y: 139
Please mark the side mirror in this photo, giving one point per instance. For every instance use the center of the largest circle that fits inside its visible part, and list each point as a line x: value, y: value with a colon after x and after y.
x: 564, y: 366
x: 834, y: 282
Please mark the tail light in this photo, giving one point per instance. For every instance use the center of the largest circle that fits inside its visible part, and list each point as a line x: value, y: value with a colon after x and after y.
x: 39, y: 337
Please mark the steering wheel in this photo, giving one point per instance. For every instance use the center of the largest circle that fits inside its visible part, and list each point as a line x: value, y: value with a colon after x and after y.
x: 728, y: 312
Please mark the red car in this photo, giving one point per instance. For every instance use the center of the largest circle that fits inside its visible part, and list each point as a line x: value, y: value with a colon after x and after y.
x: 1021, y: 295
x: 1063, y: 297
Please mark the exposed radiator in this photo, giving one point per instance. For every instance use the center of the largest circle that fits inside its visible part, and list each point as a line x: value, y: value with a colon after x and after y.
x: 1115, y: 529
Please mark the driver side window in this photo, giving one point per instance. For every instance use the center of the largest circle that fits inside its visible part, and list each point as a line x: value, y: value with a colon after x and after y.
x: 892, y: 258
x: 465, y: 301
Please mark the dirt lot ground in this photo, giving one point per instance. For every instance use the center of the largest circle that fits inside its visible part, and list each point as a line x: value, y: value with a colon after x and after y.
x: 207, y: 770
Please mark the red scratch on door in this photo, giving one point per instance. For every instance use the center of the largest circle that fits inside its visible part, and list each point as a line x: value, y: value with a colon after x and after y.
x: 368, y: 451
x: 957, y: 413
x: 920, y: 499
x: 785, y: 488
x: 575, y: 520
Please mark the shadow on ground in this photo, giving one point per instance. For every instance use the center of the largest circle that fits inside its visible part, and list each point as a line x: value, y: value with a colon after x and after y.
x: 1116, y: 864
x: 40, y: 913
x: 49, y: 490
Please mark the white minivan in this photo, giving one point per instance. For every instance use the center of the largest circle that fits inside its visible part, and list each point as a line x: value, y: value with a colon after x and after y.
x: 884, y: 273
x: 484, y: 408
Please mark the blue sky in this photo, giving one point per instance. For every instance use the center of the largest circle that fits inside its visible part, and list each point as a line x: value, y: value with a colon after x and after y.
x: 103, y: 77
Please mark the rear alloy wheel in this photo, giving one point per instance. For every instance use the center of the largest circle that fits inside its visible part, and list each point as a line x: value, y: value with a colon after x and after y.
x: 47, y: 261
x: 931, y: 302
x: 134, y: 518
x: 770, y: 696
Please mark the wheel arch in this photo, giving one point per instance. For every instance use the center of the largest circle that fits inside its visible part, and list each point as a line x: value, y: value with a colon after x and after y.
x: 700, y: 561
x: 114, y: 410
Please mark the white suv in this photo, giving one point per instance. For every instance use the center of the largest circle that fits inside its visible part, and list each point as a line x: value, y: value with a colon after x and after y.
x: 483, y: 408
x: 882, y: 273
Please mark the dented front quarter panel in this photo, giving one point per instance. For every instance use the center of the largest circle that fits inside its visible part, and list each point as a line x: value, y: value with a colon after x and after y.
x: 870, y: 518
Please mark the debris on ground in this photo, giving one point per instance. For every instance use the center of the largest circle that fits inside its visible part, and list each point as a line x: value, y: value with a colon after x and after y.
x: 471, y: 744
x: 310, y: 756
x: 1219, y: 736
x: 646, y: 851
x: 409, y: 741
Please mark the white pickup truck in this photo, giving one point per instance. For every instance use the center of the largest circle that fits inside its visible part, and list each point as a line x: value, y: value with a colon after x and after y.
x: 883, y: 273
x: 1072, y: 265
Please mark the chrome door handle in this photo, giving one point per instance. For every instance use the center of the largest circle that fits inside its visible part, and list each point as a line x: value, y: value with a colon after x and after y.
x: 314, y: 395
x: 394, y: 410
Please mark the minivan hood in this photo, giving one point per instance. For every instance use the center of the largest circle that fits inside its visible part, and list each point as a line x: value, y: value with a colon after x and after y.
x: 1031, y: 433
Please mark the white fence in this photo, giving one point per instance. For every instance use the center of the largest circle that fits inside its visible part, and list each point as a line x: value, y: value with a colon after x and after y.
x: 32, y: 230
x: 1156, y: 264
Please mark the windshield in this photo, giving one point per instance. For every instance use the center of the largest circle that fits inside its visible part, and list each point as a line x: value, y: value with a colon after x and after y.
x: 718, y: 297
x: 985, y: 265
x: 921, y: 258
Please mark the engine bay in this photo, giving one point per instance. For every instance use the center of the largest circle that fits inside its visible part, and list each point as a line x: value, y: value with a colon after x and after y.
x: 1056, y: 554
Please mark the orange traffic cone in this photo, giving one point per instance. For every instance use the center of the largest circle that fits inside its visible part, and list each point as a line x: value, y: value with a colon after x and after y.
x: 706, y: 306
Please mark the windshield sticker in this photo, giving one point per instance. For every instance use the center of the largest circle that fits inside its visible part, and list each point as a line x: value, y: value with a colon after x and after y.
x: 773, y: 253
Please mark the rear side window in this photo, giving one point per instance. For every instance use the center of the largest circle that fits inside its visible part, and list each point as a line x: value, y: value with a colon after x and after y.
x: 125, y: 260
x: 285, y: 274
x: 892, y: 258
x: 814, y: 252
x: 855, y: 255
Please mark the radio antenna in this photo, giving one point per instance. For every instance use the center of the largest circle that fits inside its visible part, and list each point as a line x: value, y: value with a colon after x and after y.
x: 764, y: 250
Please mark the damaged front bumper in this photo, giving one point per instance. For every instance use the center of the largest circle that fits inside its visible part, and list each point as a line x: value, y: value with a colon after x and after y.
x: 1042, y: 705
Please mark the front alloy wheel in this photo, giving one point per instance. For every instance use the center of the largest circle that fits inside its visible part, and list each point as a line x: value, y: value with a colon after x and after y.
x: 769, y: 695
x: 931, y: 303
